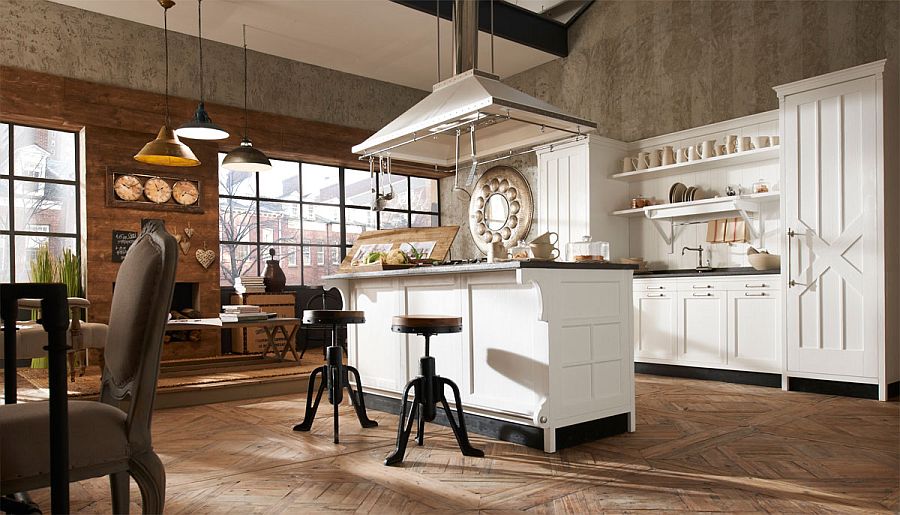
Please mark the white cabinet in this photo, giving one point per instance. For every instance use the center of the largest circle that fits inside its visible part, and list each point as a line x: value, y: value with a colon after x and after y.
x: 754, y: 323
x: 730, y: 322
x: 655, y: 325
x: 702, y: 318
x: 575, y: 194
x: 839, y: 171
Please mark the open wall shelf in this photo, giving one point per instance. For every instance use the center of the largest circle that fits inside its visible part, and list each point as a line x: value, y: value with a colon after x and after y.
x: 740, y: 158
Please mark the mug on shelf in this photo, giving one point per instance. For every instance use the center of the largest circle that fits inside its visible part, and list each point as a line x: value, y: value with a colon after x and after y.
x: 721, y: 150
x: 550, y: 238
x: 707, y: 148
x: 776, y: 140
x: 544, y: 250
x: 681, y: 155
x: 760, y: 142
x: 731, y: 143
x: 654, y: 160
x: 693, y: 153
x: 627, y: 164
x: 744, y: 144
x: 641, y: 161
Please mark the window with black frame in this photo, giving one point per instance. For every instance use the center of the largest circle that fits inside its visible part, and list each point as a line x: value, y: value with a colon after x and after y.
x: 310, y: 214
x: 39, y: 200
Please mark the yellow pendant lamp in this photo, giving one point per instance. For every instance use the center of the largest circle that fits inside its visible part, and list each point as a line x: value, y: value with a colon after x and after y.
x: 167, y: 149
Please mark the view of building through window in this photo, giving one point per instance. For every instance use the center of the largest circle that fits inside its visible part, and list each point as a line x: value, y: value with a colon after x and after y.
x: 39, y: 185
x: 310, y: 215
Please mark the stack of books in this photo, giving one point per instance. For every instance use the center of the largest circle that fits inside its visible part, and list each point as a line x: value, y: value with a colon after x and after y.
x: 253, y: 284
x: 242, y: 313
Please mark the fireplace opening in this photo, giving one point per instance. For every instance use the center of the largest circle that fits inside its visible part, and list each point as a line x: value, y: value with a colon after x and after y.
x: 184, y: 305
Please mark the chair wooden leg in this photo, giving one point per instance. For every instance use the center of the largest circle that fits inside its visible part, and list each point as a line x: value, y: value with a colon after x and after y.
x: 150, y: 475
x: 118, y: 485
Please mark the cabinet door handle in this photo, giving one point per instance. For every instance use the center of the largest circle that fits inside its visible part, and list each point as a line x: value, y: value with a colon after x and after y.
x: 703, y: 295
x: 704, y: 287
x: 791, y: 235
x: 760, y: 285
x: 760, y: 294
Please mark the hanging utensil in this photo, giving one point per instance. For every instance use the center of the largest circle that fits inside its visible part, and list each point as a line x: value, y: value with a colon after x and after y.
x: 470, y: 180
x: 458, y: 192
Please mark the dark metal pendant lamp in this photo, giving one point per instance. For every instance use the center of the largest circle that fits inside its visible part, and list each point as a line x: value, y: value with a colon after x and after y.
x: 201, y: 125
x: 167, y: 149
x: 245, y: 158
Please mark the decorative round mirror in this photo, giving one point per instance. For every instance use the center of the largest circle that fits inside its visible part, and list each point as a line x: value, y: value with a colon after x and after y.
x: 501, y: 208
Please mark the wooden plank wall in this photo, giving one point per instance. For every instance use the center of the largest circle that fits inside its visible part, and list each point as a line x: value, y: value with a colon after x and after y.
x: 115, y: 123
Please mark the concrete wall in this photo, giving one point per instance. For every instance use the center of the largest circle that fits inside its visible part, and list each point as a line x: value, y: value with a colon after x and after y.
x: 43, y: 36
x: 644, y: 68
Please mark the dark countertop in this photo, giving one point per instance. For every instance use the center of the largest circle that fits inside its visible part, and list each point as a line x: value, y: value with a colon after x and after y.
x: 480, y: 267
x: 690, y: 272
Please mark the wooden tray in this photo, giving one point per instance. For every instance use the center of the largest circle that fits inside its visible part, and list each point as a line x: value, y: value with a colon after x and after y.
x: 378, y: 267
x: 443, y: 236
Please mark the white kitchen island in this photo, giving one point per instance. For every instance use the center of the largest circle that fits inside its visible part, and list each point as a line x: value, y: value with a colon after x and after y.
x: 545, y: 356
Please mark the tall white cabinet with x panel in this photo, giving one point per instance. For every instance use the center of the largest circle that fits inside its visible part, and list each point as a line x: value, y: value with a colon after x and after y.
x: 839, y: 202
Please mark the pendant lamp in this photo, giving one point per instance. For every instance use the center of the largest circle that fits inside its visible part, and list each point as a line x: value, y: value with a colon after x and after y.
x: 201, y: 125
x: 166, y: 149
x: 245, y: 158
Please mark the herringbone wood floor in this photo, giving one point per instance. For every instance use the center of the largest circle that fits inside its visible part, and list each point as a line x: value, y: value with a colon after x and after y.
x: 700, y: 446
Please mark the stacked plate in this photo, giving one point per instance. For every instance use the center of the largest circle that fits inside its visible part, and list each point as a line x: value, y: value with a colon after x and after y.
x: 681, y: 193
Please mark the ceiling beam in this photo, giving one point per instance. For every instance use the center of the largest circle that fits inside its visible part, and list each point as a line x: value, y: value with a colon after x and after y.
x: 510, y: 22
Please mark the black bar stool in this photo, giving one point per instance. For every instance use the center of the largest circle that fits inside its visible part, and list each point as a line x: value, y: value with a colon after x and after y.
x: 334, y: 373
x: 429, y: 388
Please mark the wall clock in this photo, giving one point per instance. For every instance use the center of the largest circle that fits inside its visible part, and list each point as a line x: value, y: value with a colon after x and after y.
x: 128, y: 187
x: 185, y: 193
x: 157, y: 190
x: 137, y: 189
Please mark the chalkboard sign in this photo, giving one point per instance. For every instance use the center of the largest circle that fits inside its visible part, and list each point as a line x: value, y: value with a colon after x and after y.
x: 121, y: 241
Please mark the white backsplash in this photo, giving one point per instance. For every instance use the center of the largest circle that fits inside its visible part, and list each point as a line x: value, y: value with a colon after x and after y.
x: 647, y: 243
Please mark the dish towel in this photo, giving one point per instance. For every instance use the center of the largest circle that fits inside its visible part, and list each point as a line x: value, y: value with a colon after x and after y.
x: 726, y: 230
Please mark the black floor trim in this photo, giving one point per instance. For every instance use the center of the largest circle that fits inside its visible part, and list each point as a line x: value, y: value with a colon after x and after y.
x: 710, y: 374
x: 859, y: 390
x: 521, y: 434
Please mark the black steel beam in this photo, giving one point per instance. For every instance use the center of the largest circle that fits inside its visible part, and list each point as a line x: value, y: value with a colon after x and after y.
x: 510, y: 22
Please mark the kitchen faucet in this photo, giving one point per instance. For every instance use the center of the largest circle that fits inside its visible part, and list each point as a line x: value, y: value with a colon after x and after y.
x: 699, y: 251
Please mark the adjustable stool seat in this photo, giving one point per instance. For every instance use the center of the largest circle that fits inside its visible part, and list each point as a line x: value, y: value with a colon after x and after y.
x: 334, y: 373
x: 428, y: 388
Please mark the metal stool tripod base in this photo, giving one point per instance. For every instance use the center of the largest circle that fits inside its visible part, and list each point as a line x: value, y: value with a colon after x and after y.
x: 335, y: 377
x: 428, y: 389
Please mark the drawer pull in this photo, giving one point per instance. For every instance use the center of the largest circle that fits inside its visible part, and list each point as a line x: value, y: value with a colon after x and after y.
x: 656, y: 294
x: 656, y: 287
x: 703, y: 287
x: 703, y: 295
x: 760, y: 294
x: 760, y: 285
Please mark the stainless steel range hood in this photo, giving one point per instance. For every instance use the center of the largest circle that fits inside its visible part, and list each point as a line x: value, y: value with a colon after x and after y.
x: 504, y: 118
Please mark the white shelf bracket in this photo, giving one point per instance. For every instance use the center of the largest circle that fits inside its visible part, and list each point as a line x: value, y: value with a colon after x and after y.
x: 669, y: 237
x: 756, y: 229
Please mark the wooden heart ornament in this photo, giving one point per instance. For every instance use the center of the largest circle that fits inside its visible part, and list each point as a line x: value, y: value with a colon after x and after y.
x: 206, y: 257
x: 185, y: 246
x: 189, y: 231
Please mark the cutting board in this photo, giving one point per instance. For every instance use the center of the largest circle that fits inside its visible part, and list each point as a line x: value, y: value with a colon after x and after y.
x: 442, y: 236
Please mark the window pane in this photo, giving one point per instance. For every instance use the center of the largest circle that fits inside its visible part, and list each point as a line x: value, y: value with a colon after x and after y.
x: 4, y: 149
x: 320, y: 184
x: 322, y: 224
x: 44, y: 153
x: 27, y: 247
x: 390, y: 220
x: 357, y: 188
x: 401, y: 192
x: 279, y: 222
x: 235, y: 261
x: 289, y: 259
x: 4, y: 258
x: 419, y: 220
x: 281, y: 182
x: 4, y: 204
x: 424, y: 194
x: 237, y: 220
x: 45, y: 207
x: 321, y: 262
x: 241, y: 184
x: 358, y: 222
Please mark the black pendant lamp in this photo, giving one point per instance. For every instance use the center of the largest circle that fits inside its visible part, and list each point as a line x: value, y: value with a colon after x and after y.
x: 201, y: 125
x: 167, y: 149
x: 245, y: 158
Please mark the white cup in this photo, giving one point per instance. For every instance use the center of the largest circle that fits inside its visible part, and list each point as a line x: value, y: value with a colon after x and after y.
x: 744, y: 144
x: 731, y: 143
x: 681, y: 155
x: 654, y: 160
x: 707, y: 148
x: 641, y: 161
x: 760, y: 142
x: 693, y: 153
x: 627, y: 165
x: 776, y: 140
x: 668, y: 155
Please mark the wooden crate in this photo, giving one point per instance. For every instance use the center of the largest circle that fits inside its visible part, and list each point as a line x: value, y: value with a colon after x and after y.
x: 282, y: 304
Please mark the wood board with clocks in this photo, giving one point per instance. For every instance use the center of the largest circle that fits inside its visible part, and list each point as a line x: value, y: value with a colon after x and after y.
x: 140, y: 190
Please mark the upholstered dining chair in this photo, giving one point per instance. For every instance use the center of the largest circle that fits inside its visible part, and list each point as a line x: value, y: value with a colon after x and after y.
x: 103, y: 439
